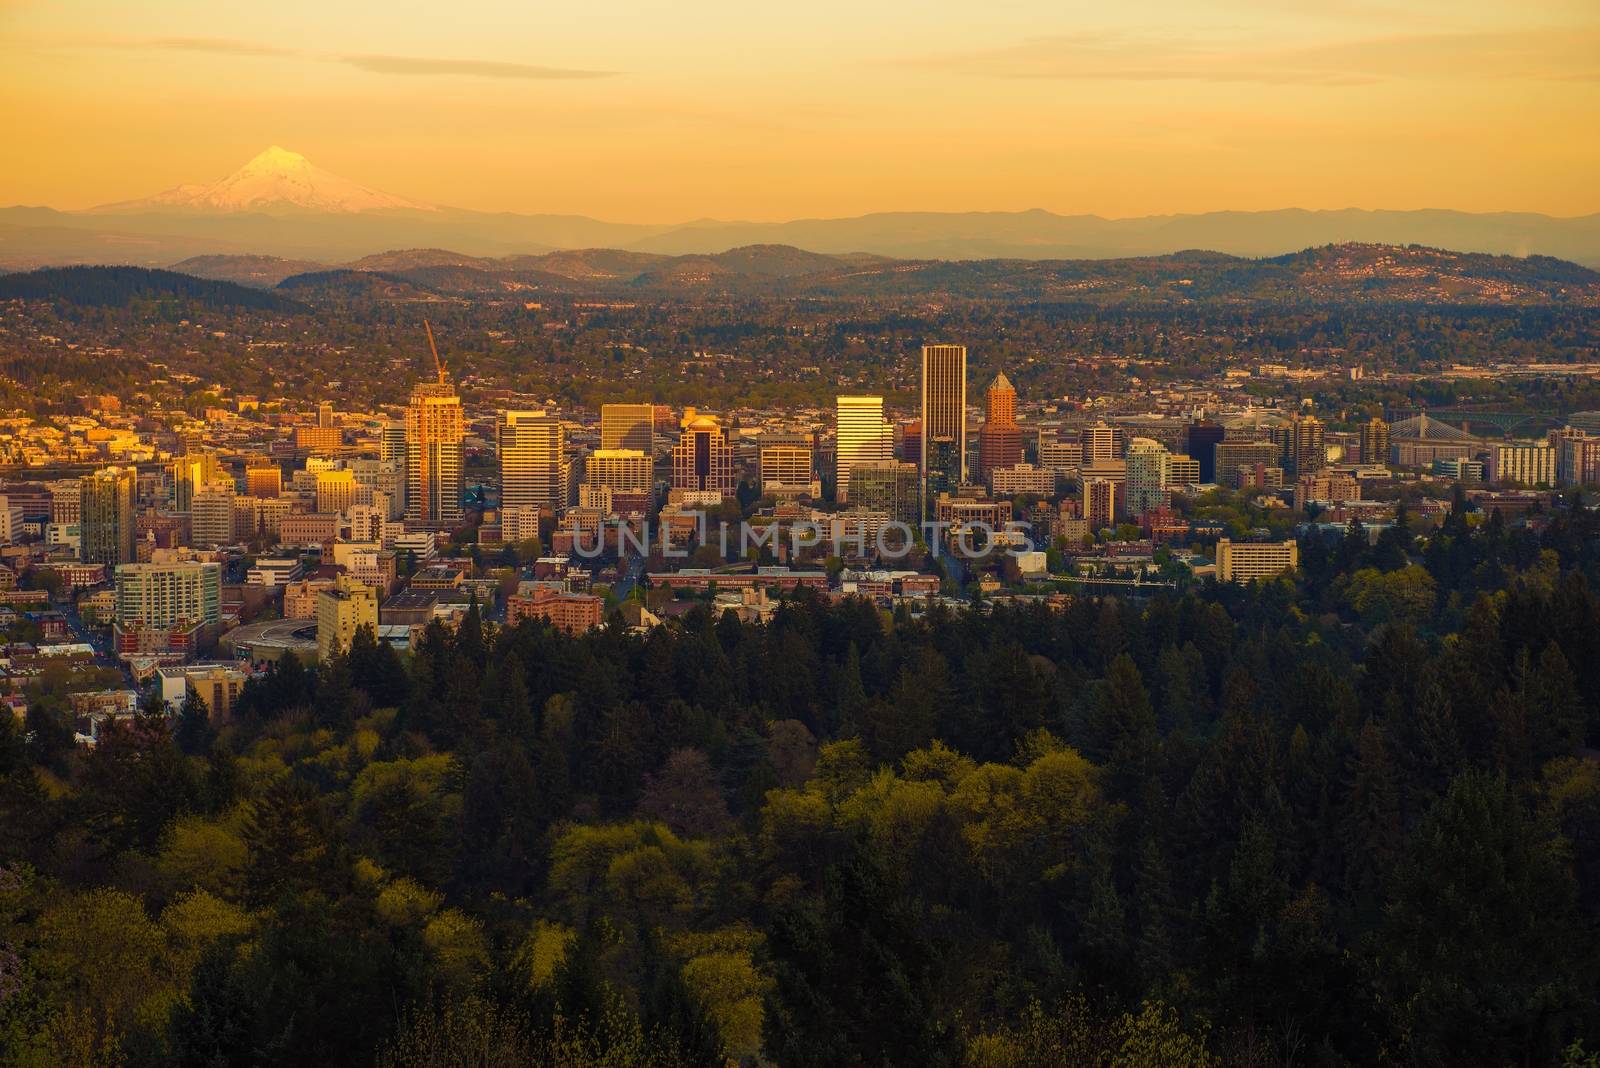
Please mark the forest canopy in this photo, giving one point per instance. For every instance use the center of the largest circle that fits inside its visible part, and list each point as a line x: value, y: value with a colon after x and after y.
x: 1343, y: 818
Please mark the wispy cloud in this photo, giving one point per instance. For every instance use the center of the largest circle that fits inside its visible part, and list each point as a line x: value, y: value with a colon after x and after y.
x: 481, y: 68
x: 1569, y: 54
x: 372, y: 63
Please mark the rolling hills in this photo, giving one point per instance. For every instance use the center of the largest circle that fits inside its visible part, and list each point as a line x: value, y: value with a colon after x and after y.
x: 1336, y: 274
x: 121, y: 286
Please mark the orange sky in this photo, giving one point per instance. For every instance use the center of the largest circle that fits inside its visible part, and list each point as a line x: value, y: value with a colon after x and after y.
x: 658, y: 111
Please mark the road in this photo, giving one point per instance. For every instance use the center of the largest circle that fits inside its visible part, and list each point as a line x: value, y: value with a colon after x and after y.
x: 630, y: 577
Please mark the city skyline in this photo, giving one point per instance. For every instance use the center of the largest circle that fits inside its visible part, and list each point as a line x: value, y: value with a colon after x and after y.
x: 673, y: 536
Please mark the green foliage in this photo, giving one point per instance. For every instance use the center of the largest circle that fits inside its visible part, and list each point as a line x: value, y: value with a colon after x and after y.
x: 1345, y: 818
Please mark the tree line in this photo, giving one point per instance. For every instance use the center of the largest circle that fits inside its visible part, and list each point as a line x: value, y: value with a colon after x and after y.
x: 1260, y: 826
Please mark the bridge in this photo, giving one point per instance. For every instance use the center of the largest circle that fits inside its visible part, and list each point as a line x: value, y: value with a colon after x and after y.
x: 1467, y: 418
x: 1095, y: 580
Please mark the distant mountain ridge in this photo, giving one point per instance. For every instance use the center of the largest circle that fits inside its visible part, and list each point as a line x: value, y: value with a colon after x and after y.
x: 281, y: 204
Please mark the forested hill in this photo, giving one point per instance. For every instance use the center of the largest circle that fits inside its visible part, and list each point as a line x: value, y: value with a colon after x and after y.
x: 123, y: 286
x: 1343, y: 819
x: 1334, y: 274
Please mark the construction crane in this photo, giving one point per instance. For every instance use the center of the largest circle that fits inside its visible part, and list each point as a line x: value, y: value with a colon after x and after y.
x: 438, y: 364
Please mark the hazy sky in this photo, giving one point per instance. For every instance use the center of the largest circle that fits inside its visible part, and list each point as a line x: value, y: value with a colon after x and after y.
x: 666, y: 111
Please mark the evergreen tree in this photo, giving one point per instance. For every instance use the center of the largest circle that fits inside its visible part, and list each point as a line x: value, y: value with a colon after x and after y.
x: 194, y: 734
x: 1482, y: 958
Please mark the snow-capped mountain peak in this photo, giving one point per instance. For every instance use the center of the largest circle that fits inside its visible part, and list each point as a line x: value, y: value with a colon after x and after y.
x: 275, y: 180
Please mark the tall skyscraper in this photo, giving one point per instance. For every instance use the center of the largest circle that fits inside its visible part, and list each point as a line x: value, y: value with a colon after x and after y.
x: 1305, y: 447
x: 628, y: 426
x: 1201, y: 442
x: 1375, y: 442
x: 702, y: 460
x: 863, y: 436
x: 1147, y: 476
x: 434, y: 433
x: 534, y: 469
x: 325, y: 414
x: 1000, y: 438
x: 105, y: 510
x: 944, y: 418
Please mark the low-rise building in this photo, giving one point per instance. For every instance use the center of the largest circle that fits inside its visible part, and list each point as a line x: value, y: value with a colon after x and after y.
x: 573, y: 613
x: 1249, y: 561
x: 343, y: 609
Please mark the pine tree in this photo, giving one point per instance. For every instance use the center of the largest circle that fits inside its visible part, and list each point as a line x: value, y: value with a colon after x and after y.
x: 850, y: 698
x: 1555, y: 712
x: 1370, y: 830
x: 194, y: 734
x: 1154, y: 913
x: 1123, y: 736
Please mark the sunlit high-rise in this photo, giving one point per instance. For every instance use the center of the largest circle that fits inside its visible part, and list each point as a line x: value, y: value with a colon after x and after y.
x: 863, y: 436
x: 434, y: 433
x: 534, y: 470
x: 628, y: 426
x: 190, y: 474
x: 1000, y: 438
x: 944, y: 417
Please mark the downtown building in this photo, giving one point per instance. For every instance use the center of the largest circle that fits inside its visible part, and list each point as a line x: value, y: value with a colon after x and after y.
x: 342, y: 609
x: 1252, y: 561
x: 1000, y: 438
x: 943, y: 444
x: 1527, y: 465
x: 211, y: 516
x: 535, y: 473
x: 162, y: 608
x: 628, y: 426
x: 1023, y: 478
x: 888, y: 487
x: 1148, y: 473
x: 788, y: 466
x: 1305, y: 447
x: 190, y: 475
x: 1577, y: 457
x: 106, y: 516
x: 1375, y: 442
x: 702, y: 461
x: 1102, y: 443
x: 862, y: 436
x: 434, y: 456
x: 1200, y: 441
x: 618, y: 480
